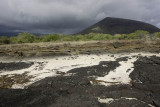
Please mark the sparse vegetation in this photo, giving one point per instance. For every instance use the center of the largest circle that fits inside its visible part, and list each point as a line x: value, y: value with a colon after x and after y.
x: 7, y: 81
x: 31, y: 38
x: 4, y: 40
x: 157, y: 35
x: 49, y: 38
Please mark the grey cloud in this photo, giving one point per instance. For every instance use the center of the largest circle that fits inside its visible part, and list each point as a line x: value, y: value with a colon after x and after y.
x: 71, y: 16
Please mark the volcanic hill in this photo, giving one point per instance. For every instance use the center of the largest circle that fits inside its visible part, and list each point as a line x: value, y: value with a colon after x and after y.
x: 111, y: 25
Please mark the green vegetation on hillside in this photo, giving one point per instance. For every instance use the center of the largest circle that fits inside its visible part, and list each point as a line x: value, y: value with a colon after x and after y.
x: 31, y: 38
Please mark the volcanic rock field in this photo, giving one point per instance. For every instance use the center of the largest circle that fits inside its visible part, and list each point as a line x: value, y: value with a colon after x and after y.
x: 88, y: 80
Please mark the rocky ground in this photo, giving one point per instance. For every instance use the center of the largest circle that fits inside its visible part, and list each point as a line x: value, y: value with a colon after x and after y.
x: 81, y: 74
x: 91, y: 80
x: 78, y: 47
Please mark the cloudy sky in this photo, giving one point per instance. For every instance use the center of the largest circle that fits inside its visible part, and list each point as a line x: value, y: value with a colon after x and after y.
x: 71, y: 16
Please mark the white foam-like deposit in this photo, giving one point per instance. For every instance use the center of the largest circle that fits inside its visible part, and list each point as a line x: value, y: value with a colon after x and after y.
x: 120, y: 74
x: 63, y: 64
x: 106, y: 100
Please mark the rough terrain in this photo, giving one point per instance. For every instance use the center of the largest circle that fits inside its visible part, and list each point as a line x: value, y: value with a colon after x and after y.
x: 80, y: 84
x: 92, y: 79
x: 79, y: 47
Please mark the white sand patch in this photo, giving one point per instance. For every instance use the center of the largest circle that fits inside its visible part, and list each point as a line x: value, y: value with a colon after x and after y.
x: 18, y: 86
x: 60, y: 64
x: 106, y: 100
x: 120, y: 74
x: 129, y: 98
x: 50, y: 67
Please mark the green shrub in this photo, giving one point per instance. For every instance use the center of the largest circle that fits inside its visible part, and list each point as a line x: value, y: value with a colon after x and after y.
x: 117, y: 36
x: 38, y: 38
x: 51, y: 37
x: 4, y: 40
x: 107, y: 36
x: 30, y: 38
x: 157, y: 35
x: 67, y: 39
x: 13, y: 39
x: 97, y: 36
x: 139, y: 34
x: 25, y: 38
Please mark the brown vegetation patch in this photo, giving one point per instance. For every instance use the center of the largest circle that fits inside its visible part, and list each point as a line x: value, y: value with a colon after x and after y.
x: 6, y: 81
x: 60, y: 73
x: 79, y: 47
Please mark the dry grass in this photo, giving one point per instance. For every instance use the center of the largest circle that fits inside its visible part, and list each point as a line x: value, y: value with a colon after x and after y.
x: 78, y: 47
x: 6, y: 81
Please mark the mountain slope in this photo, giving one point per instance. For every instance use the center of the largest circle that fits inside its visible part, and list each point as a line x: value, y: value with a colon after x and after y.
x: 119, y: 26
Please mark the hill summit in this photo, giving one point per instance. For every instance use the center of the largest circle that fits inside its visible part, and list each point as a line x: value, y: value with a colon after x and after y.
x: 111, y: 25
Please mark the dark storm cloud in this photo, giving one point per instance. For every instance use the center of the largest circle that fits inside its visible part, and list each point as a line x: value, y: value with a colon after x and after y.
x: 70, y: 16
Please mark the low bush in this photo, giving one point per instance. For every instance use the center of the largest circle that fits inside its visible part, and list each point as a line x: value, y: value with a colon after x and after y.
x: 30, y: 38
x: 4, y: 40
x: 138, y: 34
x: 51, y: 37
x: 157, y: 35
x: 25, y: 38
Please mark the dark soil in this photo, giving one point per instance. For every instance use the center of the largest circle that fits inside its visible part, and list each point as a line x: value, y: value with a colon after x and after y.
x: 147, y: 71
x: 77, y: 91
x: 98, y: 70
x: 15, y: 66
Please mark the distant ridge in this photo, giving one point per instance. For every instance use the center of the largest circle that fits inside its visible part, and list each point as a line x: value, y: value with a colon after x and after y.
x: 111, y: 25
x: 10, y: 34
